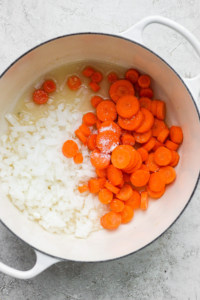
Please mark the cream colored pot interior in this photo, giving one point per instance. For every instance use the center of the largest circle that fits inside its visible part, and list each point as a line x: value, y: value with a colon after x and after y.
x: 148, y: 225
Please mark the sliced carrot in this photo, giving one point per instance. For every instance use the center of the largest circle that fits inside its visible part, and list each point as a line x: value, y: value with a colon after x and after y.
x: 144, y: 153
x: 81, y: 136
x: 102, y: 182
x: 128, y: 139
x: 145, y: 102
x: 137, y: 165
x: 111, y: 187
x: 175, y: 159
x: 85, y: 129
x: 150, y: 163
x: 163, y: 135
x: 162, y: 156
x: 134, y: 200
x: 70, y: 148
x: 168, y: 173
x: 94, y: 86
x: 121, y: 157
x: 114, y: 175
x: 83, y: 188
x: 144, y: 167
x: 171, y: 145
x: 176, y: 134
x: 132, y: 75
x: 99, y: 160
x: 49, y: 86
x: 147, y: 123
x: 120, y: 88
x: 111, y: 220
x: 112, y: 77
x: 97, y: 77
x: 89, y: 119
x: 144, y: 81
x: 133, y: 123
x: 143, y: 137
x: 156, y: 182
x: 107, y: 141
x: 106, y: 111
x: 40, y: 96
x: 147, y: 92
x: 88, y: 71
x: 102, y: 173
x: 93, y: 185
x: 127, y: 106
x: 127, y: 214
x: 157, y: 127
x: 140, y: 178
x: 144, y: 201
x: 98, y: 123
x: 91, y: 141
x: 150, y: 144
x: 160, y: 110
x: 134, y: 158
x: 117, y: 205
x: 154, y: 107
x: 95, y: 100
x: 125, y: 192
x: 155, y: 195
x: 110, y: 125
x: 78, y: 158
x: 73, y: 82
x: 157, y: 145
x: 105, y: 196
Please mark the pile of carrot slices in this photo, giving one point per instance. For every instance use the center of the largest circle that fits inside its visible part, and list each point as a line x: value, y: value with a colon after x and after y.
x: 133, y: 151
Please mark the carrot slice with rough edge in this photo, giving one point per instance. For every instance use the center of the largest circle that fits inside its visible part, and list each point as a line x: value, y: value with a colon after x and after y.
x: 105, y: 196
x: 176, y: 134
x: 85, y: 129
x: 111, y: 220
x: 156, y: 182
x: 171, y: 145
x: 88, y: 71
x: 107, y: 141
x: 143, y: 137
x: 145, y: 102
x: 154, y: 107
x: 147, y: 123
x: 94, y: 86
x: 162, y: 156
x: 144, y: 81
x: 127, y: 214
x: 157, y: 145
x: 112, y: 77
x: 134, y: 200
x: 127, y: 106
x: 117, y: 205
x: 73, y: 82
x: 83, y: 188
x: 99, y: 160
x: 132, y: 75
x: 120, y: 88
x: 128, y: 139
x: 160, y: 110
x: 102, y: 182
x: 175, y: 159
x: 125, y: 192
x: 49, y: 86
x: 106, y: 111
x: 163, y: 135
x: 93, y: 185
x: 112, y: 188
x: 168, y: 173
x: 147, y: 92
x: 40, y: 96
x: 150, y: 163
x: 95, y: 100
x: 133, y: 123
x: 89, y: 119
x: 81, y: 136
x: 97, y: 77
x: 150, y: 144
x: 78, y: 158
x: 155, y: 195
x: 102, y: 173
x: 144, y: 153
x: 144, y: 201
x: 110, y: 125
x: 140, y: 178
x: 91, y: 141
x: 121, y: 157
x: 114, y: 175
x: 70, y: 148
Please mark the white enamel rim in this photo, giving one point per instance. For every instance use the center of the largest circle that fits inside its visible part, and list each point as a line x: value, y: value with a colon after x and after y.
x: 134, y: 35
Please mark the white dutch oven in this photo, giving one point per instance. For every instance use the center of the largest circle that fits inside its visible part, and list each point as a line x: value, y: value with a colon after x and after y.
x: 180, y: 94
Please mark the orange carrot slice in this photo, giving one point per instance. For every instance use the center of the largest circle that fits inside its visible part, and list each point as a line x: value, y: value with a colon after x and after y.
x: 70, y: 148
x: 40, y: 96
x: 78, y: 158
x: 134, y: 200
x: 132, y: 75
x: 168, y: 173
x: 176, y: 134
x: 156, y: 182
x: 120, y: 88
x: 95, y: 100
x: 127, y: 106
x: 89, y: 119
x: 147, y: 123
x: 121, y: 157
x: 133, y: 123
x: 144, y: 201
x: 93, y: 185
x: 140, y: 178
x: 73, y: 82
x: 112, y: 188
x: 127, y: 214
x: 99, y: 160
x: 143, y: 137
x: 107, y: 141
x: 162, y: 156
x: 49, y: 86
x: 144, y: 81
x: 106, y: 111
x: 125, y: 192
x: 117, y: 205
x: 114, y: 175
x: 111, y: 220
x: 105, y: 196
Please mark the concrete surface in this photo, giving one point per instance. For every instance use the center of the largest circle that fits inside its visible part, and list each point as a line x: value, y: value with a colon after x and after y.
x: 167, y: 269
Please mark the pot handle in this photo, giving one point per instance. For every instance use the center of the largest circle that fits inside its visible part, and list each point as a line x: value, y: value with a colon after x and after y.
x: 42, y: 263
x: 136, y: 31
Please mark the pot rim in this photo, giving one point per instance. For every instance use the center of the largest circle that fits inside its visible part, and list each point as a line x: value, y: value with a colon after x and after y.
x: 195, y: 105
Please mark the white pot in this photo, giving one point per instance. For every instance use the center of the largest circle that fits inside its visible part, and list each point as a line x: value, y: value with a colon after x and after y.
x: 125, y: 49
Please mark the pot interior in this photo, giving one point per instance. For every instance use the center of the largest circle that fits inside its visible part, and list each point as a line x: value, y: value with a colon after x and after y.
x: 146, y: 226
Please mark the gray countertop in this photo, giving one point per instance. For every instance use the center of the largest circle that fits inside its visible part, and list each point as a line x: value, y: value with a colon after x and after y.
x: 168, y: 268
